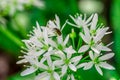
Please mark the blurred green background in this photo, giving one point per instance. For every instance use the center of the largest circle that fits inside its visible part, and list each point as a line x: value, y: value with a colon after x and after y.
x: 14, y: 27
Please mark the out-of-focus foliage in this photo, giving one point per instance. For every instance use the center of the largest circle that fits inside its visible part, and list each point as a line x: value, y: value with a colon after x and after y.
x: 115, y: 20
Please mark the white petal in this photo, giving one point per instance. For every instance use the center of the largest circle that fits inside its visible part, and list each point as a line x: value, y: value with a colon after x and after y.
x: 95, y: 50
x: 58, y: 62
x: 73, y: 24
x: 56, y: 76
x: 87, y: 32
x: 45, y: 35
x: 60, y: 54
x: 41, y: 76
x: 21, y: 61
x: 89, y: 19
x: 105, y: 48
x: 69, y: 50
x: 49, y: 61
x: 100, y: 35
x: 57, y: 21
x: 52, y: 43
x: 84, y: 48
x: 88, y: 66
x: 94, y: 22
x: 28, y: 71
x: 66, y: 40
x: 41, y: 65
x: 72, y: 77
x: 85, y: 38
x: 73, y: 19
x: 75, y: 59
x: 91, y: 55
x: 72, y: 67
x: 107, y: 56
x: 60, y: 40
x: 68, y: 77
x: 81, y: 65
x: 106, y: 66
x: 64, y: 70
x: 98, y: 69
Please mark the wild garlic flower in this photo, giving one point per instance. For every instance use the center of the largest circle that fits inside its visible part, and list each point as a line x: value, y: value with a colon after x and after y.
x: 67, y: 60
x: 48, y: 71
x: 99, y: 62
x: 53, y: 56
x: 93, y: 37
x: 80, y: 21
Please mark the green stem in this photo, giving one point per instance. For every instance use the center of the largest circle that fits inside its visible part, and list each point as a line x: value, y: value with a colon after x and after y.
x: 73, y: 42
x: 11, y: 36
x: 79, y: 43
x: 85, y: 58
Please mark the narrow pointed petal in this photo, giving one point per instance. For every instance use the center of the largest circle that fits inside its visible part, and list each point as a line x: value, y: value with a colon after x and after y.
x: 81, y: 65
x: 89, y: 19
x: 85, y: 38
x: 107, y: 56
x: 100, y: 34
x: 69, y: 50
x: 49, y: 61
x: 72, y: 67
x: 56, y: 76
x: 84, y: 48
x: 75, y: 59
x: 68, y: 77
x: 60, y: 39
x: 95, y: 50
x: 106, y: 66
x: 28, y: 71
x: 86, y: 31
x: 64, y: 70
x: 98, y: 69
x: 45, y: 36
x: 58, y: 62
x: 73, y: 24
x: 94, y: 22
x: 73, y: 18
x: 72, y: 77
x: 66, y: 40
x: 91, y: 55
x: 88, y: 66
x: 52, y: 43
x: 21, y: 61
x: 41, y: 65
x: 105, y: 48
x: 41, y: 76
x: 57, y: 21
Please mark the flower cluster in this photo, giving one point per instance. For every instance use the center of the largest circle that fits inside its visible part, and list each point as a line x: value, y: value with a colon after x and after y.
x: 52, y: 55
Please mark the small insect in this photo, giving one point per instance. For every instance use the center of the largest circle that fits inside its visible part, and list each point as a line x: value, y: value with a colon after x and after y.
x: 57, y: 31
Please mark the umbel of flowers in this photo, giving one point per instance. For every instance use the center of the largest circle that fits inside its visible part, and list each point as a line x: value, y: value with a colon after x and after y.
x: 51, y: 55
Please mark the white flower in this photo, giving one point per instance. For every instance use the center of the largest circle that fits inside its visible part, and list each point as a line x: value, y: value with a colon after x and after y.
x: 49, y: 71
x: 52, y: 56
x: 80, y: 21
x: 67, y: 60
x: 93, y: 38
x: 61, y: 43
x: 33, y: 65
x: 99, y: 62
